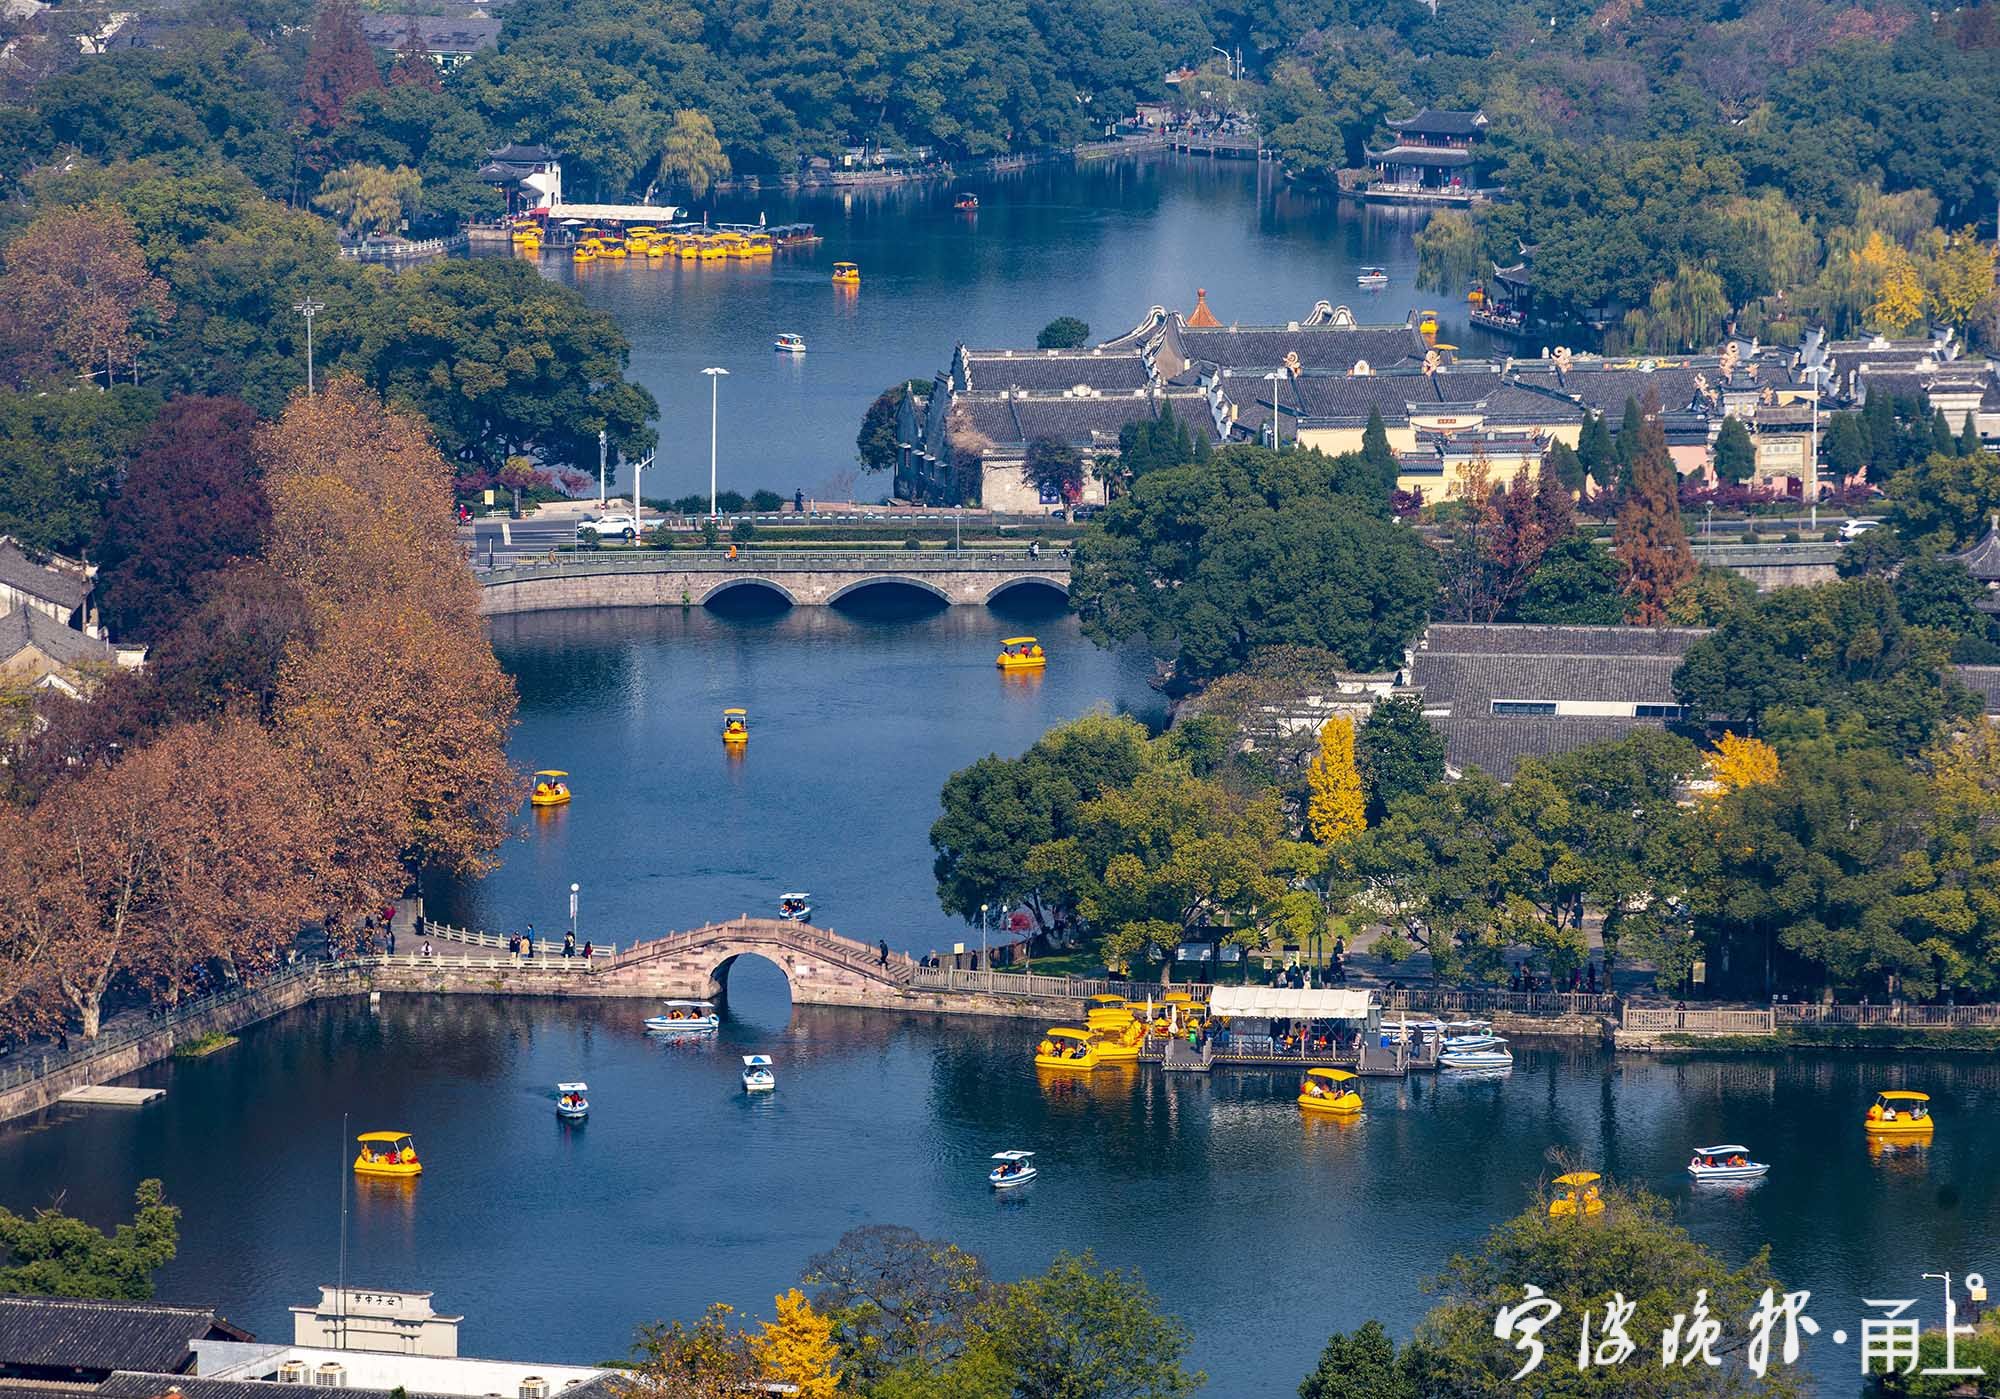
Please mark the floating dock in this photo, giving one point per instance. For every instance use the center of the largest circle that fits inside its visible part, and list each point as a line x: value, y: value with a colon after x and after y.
x: 104, y: 1096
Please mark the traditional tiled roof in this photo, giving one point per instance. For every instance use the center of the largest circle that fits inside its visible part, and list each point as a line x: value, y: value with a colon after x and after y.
x: 435, y: 34
x: 1498, y: 746
x: 1422, y: 155
x: 1982, y: 680
x: 22, y: 627
x: 52, y: 585
x: 1053, y: 371
x: 1432, y: 122
x: 1201, y: 317
x: 1339, y: 399
x: 1011, y: 421
x: 1530, y: 639
x: 133, y: 1385
x: 1468, y: 684
x: 1982, y: 560
x: 64, y: 1333
x: 1261, y: 349
x: 516, y: 153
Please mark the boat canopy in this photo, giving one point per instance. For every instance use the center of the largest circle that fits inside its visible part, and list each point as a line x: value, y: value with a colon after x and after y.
x: 1012, y: 1155
x: 1577, y: 1178
x: 1904, y: 1094
x: 1330, y: 1075
x: 1017, y: 641
x: 757, y: 1061
x: 1729, y: 1149
x: 703, y: 1005
x: 1115, y: 1002
x: 736, y: 711
x: 1063, y: 1032
x: 383, y: 1137
x: 787, y: 898
x: 552, y: 772
x: 1286, y: 1003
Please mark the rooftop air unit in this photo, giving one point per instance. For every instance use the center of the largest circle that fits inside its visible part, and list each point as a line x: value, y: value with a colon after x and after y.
x: 292, y: 1372
x: 331, y: 1375
x: 534, y: 1387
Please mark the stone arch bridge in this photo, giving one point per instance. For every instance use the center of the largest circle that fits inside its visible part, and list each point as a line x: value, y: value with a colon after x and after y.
x: 821, y: 966
x: 695, y: 578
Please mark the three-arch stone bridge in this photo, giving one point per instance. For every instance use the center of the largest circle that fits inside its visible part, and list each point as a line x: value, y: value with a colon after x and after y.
x: 694, y: 578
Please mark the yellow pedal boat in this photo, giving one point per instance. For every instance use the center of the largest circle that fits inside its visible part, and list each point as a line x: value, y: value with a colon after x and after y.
x: 1329, y: 1090
x: 387, y: 1154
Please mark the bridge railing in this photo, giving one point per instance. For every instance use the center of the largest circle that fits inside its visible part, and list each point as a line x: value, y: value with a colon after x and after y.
x: 821, y: 942
x: 543, y: 946
x: 569, y: 564
x: 1001, y: 983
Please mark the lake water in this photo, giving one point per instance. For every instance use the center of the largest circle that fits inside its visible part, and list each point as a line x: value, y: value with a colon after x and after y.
x: 1263, y: 1231
x: 1103, y: 241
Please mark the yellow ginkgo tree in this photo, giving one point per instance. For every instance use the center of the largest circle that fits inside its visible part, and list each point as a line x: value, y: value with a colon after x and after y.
x: 1336, y: 808
x: 1740, y: 762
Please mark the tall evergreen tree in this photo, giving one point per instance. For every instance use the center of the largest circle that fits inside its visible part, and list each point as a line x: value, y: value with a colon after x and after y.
x: 1844, y: 444
x: 1878, y: 415
x: 1968, y: 437
x: 1564, y: 465
x: 1942, y: 439
x: 1595, y: 451
x: 1629, y: 432
x: 1652, y: 547
x: 1375, y: 449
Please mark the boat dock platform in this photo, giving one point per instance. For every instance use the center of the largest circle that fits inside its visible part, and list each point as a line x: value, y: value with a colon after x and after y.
x: 1370, y: 1061
x: 102, y: 1095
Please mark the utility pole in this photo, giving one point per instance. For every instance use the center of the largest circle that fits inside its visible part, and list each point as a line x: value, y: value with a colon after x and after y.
x: 714, y: 374
x: 309, y: 308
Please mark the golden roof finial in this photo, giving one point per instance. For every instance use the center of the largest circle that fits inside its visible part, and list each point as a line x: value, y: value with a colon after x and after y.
x: 1202, y: 317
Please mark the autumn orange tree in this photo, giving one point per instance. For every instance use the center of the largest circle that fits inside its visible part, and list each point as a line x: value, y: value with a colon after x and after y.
x: 1649, y: 542
x: 395, y: 700
x: 76, y: 281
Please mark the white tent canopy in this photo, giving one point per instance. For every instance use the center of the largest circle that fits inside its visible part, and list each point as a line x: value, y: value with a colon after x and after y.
x: 1284, y: 1003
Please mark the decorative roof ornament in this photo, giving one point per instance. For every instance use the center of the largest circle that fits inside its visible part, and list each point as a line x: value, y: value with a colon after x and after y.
x: 1432, y: 362
x: 1362, y: 369
x: 1292, y: 365
x: 1201, y: 317
x: 1731, y: 358
x: 1767, y: 395
x: 1564, y: 359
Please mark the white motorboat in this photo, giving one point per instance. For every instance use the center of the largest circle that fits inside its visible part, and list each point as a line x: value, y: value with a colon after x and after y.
x: 1496, y: 1056
x: 684, y: 1018
x: 1464, y: 1036
x: 789, y: 344
x: 1015, y: 1168
x: 1727, y: 1162
x: 1372, y: 277
x: 795, y: 908
x: 757, y: 1075
x: 573, y: 1100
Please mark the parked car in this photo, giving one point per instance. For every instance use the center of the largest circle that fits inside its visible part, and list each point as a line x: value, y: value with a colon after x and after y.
x: 1854, y: 529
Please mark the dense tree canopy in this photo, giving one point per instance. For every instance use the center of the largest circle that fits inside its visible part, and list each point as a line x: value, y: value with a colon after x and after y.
x: 53, y: 1254
x: 1253, y: 548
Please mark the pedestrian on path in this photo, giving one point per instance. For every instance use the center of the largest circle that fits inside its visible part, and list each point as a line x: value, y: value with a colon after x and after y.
x: 528, y: 943
x: 882, y: 945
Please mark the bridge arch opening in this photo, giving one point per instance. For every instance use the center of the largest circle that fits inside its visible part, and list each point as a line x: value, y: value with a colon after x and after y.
x: 747, y: 597
x: 1034, y: 592
x: 890, y: 596
x: 752, y: 988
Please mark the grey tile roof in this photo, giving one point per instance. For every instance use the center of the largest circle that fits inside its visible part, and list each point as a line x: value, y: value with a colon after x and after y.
x: 1982, y: 560
x: 1469, y: 684
x: 133, y: 1385
x: 1527, y: 639
x: 435, y: 33
x: 1982, y: 680
x: 17, y: 570
x: 1498, y: 745
x: 21, y: 627
x: 1250, y: 349
x: 1012, y: 420
x: 1435, y: 122
x: 1050, y: 371
x: 65, y: 1333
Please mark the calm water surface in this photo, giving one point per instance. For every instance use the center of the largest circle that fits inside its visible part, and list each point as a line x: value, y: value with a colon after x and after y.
x: 1103, y: 241
x: 1263, y: 1231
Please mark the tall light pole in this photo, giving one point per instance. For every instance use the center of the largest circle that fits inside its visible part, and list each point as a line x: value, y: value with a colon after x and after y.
x: 714, y: 374
x: 1277, y: 440
x: 309, y: 308
x: 603, y: 450
x: 574, y: 890
x: 985, y: 957
x: 638, y: 510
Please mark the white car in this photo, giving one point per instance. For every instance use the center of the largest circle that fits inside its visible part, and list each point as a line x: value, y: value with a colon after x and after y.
x: 1854, y: 529
x: 619, y: 526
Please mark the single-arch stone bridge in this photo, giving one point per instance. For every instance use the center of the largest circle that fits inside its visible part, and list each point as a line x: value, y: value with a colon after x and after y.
x: 822, y: 967
x: 694, y: 578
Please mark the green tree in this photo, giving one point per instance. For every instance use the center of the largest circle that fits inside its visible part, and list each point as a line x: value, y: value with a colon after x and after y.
x: 1063, y: 333
x: 52, y: 1254
x: 1376, y: 451
x: 1633, y: 1249
x: 692, y: 155
x: 1575, y: 585
x: 1081, y: 1330
x: 369, y: 198
x: 1735, y: 454
x: 1939, y: 594
x: 1565, y: 466
x: 999, y: 810
x: 1627, y: 444
x: 61, y: 456
x: 1844, y: 445
x: 1250, y: 549
x: 1358, y: 1366
x: 880, y: 440
x: 1711, y: 597
x: 1398, y: 752
x: 1055, y: 468
x: 1597, y: 453
x: 898, y: 1302
x: 1449, y: 252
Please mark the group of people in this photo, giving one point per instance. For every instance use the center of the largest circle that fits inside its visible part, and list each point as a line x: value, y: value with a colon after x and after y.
x: 1711, y: 1162
x: 1580, y: 980
x: 523, y: 945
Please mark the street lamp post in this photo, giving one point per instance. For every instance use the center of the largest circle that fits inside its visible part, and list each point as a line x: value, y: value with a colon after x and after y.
x: 309, y: 308
x: 714, y: 374
x: 985, y: 957
x: 1277, y: 439
x: 638, y: 475
x: 603, y: 451
x: 574, y: 889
